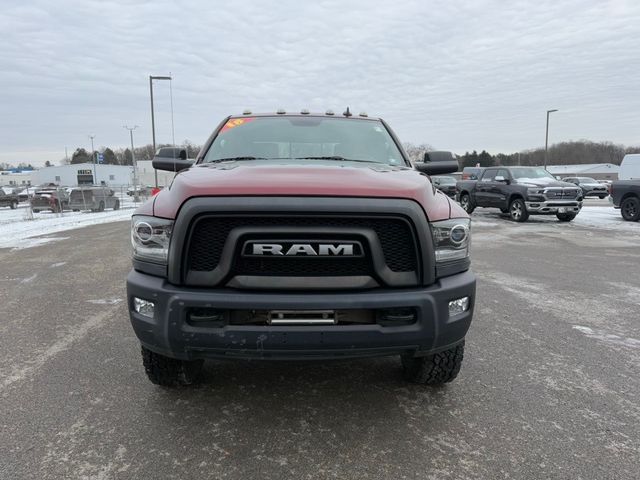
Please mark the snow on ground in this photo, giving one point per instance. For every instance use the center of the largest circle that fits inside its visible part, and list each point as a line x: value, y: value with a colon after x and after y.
x: 591, y: 217
x: 17, y: 231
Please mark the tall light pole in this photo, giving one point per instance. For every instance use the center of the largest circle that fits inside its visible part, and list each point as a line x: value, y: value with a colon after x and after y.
x: 546, y: 139
x: 153, y: 122
x: 93, y: 159
x: 133, y: 159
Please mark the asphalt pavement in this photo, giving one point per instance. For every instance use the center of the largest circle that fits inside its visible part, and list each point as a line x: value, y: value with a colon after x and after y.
x: 549, y: 386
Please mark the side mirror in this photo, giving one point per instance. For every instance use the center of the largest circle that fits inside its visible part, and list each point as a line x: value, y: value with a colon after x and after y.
x: 437, y: 163
x: 171, y: 159
x: 501, y: 179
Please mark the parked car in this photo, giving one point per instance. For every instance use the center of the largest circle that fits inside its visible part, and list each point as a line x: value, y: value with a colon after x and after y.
x: 345, y: 253
x: 8, y: 199
x: 472, y: 173
x: 95, y: 199
x: 590, y: 186
x: 520, y: 192
x: 53, y: 199
x: 446, y: 184
x: 140, y: 190
x: 625, y: 195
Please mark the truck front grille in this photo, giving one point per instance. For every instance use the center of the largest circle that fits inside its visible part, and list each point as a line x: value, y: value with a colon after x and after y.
x: 209, y: 234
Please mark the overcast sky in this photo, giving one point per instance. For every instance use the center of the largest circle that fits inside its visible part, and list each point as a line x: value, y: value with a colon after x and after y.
x: 457, y: 75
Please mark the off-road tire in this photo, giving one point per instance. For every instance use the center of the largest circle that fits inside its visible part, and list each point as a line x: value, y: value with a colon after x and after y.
x: 116, y: 206
x: 566, y: 217
x: 101, y: 207
x: 14, y: 205
x: 434, y: 369
x: 630, y: 209
x: 602, y: 197
x: 518, y: 210
x: 170, y: 372
x: 466, y: 203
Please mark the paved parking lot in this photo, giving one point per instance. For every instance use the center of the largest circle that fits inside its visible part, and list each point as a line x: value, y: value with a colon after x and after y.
x: 549, y: 387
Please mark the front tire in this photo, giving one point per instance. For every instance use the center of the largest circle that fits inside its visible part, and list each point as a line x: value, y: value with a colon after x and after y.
x: 566, y: 217
x: 518, y: 210
x: 170, y: 372
x: 465, y: 203
x: 436, y: 369
x: 101, y: 207
x: 630, y: 209
x: 116, y: 206
x: 602, y: 197
x: 14, y: 205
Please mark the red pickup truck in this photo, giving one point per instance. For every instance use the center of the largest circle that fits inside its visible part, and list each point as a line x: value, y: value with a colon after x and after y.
x: 301, y: 236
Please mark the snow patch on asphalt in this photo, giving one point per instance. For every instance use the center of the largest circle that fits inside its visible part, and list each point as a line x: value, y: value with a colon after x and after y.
x: 18, y: 232
x: 608, y: 337
x: 105, y: 301
x: 29, y: 279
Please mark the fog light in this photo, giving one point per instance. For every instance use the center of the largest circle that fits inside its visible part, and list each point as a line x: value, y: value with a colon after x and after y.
x: 143, y: 307
x: 459, y: 305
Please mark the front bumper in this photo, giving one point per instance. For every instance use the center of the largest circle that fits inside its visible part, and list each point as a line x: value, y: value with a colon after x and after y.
x: 169, y: 333
x: 551, y: 207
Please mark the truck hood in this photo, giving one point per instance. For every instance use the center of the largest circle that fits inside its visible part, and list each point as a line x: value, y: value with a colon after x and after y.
x: 545, y: 182
x: 259, y: 179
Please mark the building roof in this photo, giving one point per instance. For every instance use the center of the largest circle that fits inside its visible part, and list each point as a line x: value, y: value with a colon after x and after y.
x: 592, y: 168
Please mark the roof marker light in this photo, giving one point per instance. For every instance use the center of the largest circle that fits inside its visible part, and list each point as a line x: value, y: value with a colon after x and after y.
x: 304, y: 111
x: 329, y: 112
x: 246, y: 112
x: 280, y: 111
x: 363, y: 114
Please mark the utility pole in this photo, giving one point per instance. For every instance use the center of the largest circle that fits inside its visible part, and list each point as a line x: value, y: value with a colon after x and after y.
x: 133, y: 160
x: 153, y: 122
x: 546, y: 139
x: 93, y: 159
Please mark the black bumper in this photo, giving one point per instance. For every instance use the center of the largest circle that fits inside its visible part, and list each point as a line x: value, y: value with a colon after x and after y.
x: 169, y: 333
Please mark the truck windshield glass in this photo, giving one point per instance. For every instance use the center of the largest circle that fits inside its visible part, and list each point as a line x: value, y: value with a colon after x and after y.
x: 304, y: 139
x: 522, y: 173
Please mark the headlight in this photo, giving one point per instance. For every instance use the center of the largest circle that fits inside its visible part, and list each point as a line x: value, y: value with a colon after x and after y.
x: 150, y: 238
x: 535, y: 191
x: 451, y: 239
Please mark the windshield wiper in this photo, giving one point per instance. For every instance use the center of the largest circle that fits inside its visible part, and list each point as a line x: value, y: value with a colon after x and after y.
x: 233, y: 159
x: 336, y: 157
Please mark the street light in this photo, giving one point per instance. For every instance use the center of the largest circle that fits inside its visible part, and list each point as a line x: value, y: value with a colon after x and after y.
x: 153, y: 122
x: 133, y: 159
x: 546, y: 140
x: 93, y: 159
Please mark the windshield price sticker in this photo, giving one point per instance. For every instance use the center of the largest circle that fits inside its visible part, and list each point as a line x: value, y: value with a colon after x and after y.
x: 235, y: 122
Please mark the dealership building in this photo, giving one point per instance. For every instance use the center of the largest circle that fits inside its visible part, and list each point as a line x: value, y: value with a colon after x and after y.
x: 85, y: 174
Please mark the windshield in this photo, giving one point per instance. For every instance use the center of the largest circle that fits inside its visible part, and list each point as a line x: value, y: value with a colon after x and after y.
x: 304, y: 139
x: 587, y: 180
x: 530, y: 173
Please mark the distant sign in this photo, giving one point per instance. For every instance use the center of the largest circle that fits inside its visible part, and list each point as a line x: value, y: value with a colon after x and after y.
x: 100, y: 157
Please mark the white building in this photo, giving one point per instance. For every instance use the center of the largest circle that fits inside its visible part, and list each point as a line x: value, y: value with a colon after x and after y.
x: 16, y: 179
x: 599, y: 171
x: 85, y: 174
x: 147, y: 175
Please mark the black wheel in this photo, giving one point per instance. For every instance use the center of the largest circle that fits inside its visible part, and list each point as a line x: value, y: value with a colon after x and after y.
x: 518, y: 210
x: 630, y: 209
x: 170, y: 372
x: 434, y: 369
x: 36, y: 211
x: 602, y: 197
x: 504, y: 210
x: 566, y: 217
x: 116, y: 206
x: 14, y: 205
x: 101, y: 207
x: 465, y: 203
x: 76, y: 210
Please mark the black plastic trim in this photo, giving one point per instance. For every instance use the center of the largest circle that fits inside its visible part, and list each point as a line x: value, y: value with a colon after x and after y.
x: 333, y: 207
x: 155, y: 269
